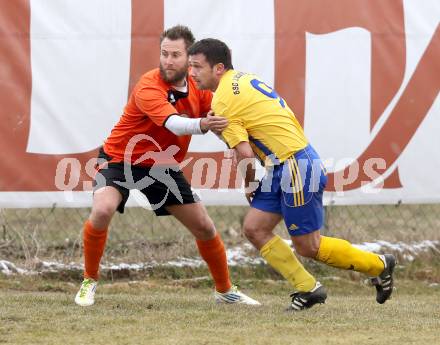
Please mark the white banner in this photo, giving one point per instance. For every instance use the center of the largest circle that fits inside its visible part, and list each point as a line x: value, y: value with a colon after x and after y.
x: 363, y: 90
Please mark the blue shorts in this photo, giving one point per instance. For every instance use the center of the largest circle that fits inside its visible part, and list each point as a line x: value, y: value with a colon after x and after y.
x: 294, y: 189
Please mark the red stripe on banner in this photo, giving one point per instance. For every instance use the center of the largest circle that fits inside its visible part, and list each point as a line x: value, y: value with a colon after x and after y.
x: 146, y: 27
x: 384, y: 20
x: 406, y: 117
x: 22, y: 171
x: 15, y: 92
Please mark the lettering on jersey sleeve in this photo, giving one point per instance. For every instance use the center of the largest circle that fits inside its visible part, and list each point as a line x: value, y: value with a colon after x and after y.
x: 235, y: 86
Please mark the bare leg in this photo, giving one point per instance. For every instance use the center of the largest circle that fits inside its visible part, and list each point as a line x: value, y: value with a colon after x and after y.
x: 258, y: 226
x: 212, y: 250
x: 105, y: 203
x: 195, y: 218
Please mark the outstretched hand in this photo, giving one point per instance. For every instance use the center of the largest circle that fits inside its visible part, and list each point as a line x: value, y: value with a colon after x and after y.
x: 213, y: 123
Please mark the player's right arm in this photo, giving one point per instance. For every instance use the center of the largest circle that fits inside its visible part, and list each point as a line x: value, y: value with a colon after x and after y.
x: 182, y: 125
x: 246, y: 165
x: 236, y: 137
x: 153, y: 101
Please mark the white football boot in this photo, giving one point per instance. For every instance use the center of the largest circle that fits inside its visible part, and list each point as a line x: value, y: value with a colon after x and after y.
x: 86, y: 294
x: 234, y: 296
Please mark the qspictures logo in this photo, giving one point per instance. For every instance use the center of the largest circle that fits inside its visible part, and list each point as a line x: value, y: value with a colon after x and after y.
x: 154, y: 169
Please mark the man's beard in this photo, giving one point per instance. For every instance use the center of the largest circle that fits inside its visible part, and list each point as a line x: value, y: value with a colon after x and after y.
x: 178, y: 74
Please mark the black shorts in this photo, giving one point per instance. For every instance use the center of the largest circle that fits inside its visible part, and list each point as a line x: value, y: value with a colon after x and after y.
x: 162, y: 185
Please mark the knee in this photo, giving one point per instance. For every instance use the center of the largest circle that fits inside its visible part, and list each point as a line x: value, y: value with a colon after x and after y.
x: 102, y: 214
x: 250, y: 231
x: 204, y: 229
x: 306, y: 249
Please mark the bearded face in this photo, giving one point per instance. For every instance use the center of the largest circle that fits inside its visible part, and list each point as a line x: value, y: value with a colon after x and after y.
x: 173, y: 74
x: 173, y: 61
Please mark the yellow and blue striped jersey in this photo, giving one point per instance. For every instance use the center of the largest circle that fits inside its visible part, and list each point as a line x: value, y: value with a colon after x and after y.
x: 257, y: 115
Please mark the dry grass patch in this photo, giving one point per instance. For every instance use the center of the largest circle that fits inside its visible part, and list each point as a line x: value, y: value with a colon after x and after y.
x: 172, y: 312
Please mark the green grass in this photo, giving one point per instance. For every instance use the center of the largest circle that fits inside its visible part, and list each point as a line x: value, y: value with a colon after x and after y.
x: 34, y: 310
x: 168, y: 305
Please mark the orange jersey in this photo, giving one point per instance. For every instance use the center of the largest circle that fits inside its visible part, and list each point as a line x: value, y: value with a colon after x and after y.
x: 140, y: 132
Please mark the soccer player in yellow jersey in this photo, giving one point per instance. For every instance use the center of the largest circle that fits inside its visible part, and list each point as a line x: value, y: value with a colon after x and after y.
x: 262, y: 125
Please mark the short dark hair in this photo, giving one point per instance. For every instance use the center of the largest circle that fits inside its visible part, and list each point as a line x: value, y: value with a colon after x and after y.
x: 215, y: 52
x: 179, y: 32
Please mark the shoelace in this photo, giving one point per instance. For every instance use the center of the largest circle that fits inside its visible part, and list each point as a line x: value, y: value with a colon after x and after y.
x: 296, y: 297
x: 84, y: 287
x: 234, y: 289
x: 293, y: 295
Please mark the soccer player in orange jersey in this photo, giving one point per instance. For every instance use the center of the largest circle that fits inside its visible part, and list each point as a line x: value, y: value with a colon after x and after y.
x: 143, y: 152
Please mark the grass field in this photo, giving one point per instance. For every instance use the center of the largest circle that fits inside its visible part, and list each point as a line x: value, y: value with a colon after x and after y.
x: 174, y: 305
x: 155, y: 311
